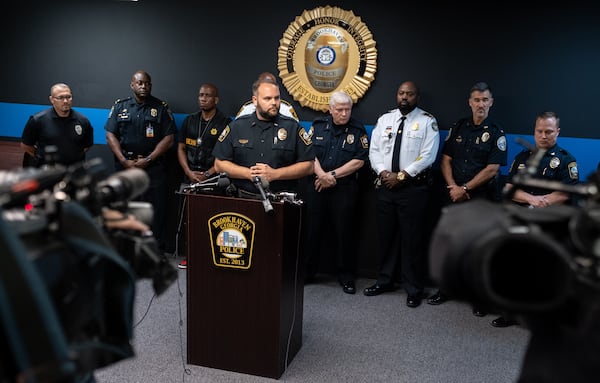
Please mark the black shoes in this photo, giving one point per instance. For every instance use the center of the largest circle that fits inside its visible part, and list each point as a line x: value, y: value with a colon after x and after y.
x: 479, y: 312
x: 377, y: 289
x: 414, y: 300
x: 503, y: 322
x: 349, y: 287
x: 437, y: 299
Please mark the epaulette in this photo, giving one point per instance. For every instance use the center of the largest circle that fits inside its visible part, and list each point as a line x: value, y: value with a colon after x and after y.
x: 283, y: 102
x: 165, y: 104
x: 120, y: 100
x: 427, y: 114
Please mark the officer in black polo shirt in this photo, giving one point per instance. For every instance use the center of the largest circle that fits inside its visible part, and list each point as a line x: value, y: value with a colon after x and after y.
x: 341, y: 147
x: 265, y: 144
x: 59, y: 135
x: 139, y: 131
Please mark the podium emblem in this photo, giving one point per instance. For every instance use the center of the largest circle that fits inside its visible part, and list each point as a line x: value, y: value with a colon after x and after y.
x: 231, y: 240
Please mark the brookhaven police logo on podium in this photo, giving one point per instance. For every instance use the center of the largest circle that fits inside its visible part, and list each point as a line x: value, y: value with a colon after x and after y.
x: 231, y: 240
x: 325, y: 50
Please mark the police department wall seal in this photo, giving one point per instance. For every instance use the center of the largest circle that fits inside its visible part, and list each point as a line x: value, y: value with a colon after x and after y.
x: 325, y: 50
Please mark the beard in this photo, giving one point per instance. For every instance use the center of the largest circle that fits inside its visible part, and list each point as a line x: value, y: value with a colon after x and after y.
x: 268, y: 114
x: 406, y: 108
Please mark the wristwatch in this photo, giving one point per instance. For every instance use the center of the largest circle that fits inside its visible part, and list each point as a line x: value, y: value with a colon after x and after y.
x: 401, y: 176
x: 333, y: 173
x: 149, y: 158
x: 207, y: 174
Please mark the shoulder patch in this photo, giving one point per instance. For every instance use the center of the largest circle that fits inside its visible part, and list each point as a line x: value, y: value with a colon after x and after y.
x: 501, y: 143
x: 364, y: 140
x: 306, y: 136
x: 434, y: 126
x: 573, y: 171
x: 224, y: 133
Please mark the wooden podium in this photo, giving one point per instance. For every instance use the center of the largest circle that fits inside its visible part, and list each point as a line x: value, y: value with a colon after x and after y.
x: 245, y: 289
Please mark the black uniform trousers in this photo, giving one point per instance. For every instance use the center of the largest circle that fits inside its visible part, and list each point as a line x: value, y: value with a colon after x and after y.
x: 401, y: 216
x: 329, y: 224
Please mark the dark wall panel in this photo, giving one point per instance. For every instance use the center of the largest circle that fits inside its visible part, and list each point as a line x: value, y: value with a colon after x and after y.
x: 535, y: 59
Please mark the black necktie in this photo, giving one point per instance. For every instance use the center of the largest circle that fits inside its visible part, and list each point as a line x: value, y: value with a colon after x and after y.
x: 396, y: 154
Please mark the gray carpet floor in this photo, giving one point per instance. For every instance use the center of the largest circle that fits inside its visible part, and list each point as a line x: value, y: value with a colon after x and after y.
x: 346, y: 338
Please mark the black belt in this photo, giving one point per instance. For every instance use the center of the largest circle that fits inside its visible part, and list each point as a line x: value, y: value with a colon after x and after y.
x: 422, y: 177
x: 418, y: 180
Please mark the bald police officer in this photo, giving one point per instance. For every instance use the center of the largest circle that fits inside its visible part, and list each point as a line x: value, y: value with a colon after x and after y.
x: 404, y: 146
x: 139, y: 131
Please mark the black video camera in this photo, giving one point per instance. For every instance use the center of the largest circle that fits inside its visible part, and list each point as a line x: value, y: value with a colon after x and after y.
x: 69, y: 281
x: 533, y: 264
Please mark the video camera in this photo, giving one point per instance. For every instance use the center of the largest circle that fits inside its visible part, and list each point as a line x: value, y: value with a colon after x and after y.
x: 68, y: 279
x: 535, y: 265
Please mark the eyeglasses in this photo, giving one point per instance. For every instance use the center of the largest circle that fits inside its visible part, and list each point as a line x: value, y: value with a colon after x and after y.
x: 63, y: 98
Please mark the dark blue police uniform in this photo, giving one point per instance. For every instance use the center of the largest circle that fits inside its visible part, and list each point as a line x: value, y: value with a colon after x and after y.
x: 139, y: 128
x: 278, y: 143
x: 557, y: 164
x: 473, y: 147
x: 330, y: 213
x: 70, y: 135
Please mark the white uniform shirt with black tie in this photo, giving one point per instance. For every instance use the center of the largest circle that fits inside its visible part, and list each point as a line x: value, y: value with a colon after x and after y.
x: 420, y: 141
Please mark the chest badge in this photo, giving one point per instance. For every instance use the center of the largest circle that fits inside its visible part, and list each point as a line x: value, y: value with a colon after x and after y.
x: 554, y: 162
x: 485, y: 137
x: 350, y: 139
x: 78, y: 129
x: 282, y: 134
x: 153, y: 112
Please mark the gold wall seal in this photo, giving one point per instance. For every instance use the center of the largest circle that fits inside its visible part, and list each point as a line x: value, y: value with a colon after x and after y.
x: 325, y: 50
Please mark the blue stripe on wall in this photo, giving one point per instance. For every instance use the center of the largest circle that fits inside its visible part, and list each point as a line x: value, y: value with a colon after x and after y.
x: 14, y: 116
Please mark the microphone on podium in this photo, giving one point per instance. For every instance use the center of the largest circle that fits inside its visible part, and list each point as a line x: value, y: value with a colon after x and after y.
x: 261, y: 185
x: 220, y: 180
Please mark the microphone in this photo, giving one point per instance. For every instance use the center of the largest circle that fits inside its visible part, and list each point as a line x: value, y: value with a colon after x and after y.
x: 123, y: 186
x: 217, y: 181
x: 261, y: 185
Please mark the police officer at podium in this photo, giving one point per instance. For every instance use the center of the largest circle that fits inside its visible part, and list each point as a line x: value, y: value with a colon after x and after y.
x: 265, y: 146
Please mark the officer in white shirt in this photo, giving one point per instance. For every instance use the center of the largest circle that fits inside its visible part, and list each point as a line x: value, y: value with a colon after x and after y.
x: 404, y: 146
